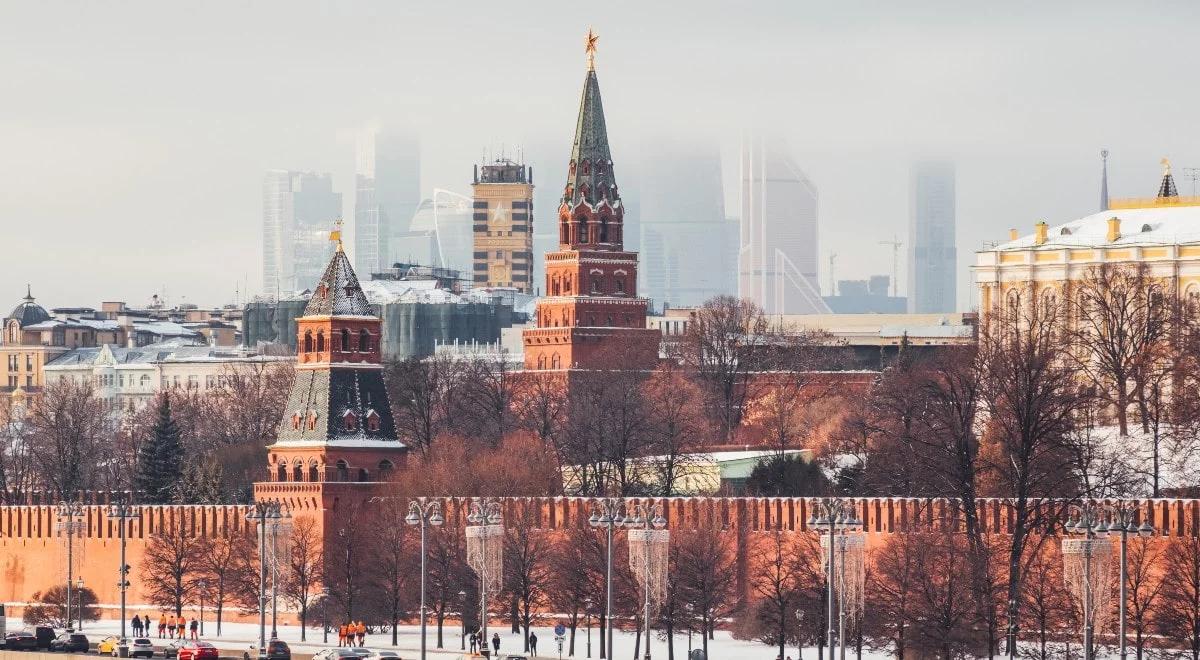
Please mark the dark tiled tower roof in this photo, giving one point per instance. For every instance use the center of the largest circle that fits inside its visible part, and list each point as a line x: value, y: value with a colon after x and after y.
x: 338, y: 292
x: 590, y: 177
x: 28, y: 312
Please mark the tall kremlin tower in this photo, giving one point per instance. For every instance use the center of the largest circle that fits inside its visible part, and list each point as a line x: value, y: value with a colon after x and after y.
x: 337, y: 440
x: 591, y: 317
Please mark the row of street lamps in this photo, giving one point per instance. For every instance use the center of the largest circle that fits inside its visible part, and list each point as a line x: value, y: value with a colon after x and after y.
x: 831, y: 517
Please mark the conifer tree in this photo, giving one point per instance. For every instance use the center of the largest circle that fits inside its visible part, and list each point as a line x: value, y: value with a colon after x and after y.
x: 159, y: 464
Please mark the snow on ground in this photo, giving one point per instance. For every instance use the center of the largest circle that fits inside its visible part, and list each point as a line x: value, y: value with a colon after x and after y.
x: 237, y: 637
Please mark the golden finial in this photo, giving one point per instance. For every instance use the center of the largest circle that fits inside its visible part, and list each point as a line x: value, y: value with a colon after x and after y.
x: 590, y: 42
x: 336, y: 234
x: 1166, y: 163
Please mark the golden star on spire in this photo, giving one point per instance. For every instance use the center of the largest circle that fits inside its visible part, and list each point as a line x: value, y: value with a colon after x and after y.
x: 590, y: 42
x: 336, y: 234
x: 1166, y: 163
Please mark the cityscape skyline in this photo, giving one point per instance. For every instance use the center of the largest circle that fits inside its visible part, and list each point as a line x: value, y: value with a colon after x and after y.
x: 124, y: 175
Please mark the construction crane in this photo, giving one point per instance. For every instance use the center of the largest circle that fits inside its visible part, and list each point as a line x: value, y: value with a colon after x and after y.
x: 895, y: 243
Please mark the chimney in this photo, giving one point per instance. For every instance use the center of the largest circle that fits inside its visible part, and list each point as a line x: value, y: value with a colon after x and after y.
x: 1039, y: 233
x: 1012, y: 234
x: 1114, y: 229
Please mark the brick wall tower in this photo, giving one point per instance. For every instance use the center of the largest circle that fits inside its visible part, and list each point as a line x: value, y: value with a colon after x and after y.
x: 502, y: 193
x: 591, y: 316
x: 337, y: 440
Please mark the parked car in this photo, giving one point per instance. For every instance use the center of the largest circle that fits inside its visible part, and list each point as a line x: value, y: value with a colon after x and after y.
x: 20, y: 640
x: 361, y: 652
x: 140, y: 648
x: 196, y: 651
x: 384, y: 655
x: 172, y: 650
x: 70, y: 643
x: 277, y: 649
x: 336, y: 654
x: 44, y: 635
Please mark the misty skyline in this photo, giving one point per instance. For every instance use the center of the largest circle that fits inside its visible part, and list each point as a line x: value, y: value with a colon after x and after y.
x: 136, y: 137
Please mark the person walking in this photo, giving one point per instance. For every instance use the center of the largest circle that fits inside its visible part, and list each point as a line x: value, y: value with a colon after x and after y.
x: 532, y: 643
x: 474, y: 639
x: 496, y: 642
x: 342, y: 635
x: 362, y: 633
x: 162, y: 624
x: 136, y: 624
x: 194, y: 627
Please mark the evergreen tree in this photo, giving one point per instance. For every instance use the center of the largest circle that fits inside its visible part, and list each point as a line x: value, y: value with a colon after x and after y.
x: 787, y: 476
x: 160, y: 461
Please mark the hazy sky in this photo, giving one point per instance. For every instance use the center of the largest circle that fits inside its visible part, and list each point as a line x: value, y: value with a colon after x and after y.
x: 134, y: 135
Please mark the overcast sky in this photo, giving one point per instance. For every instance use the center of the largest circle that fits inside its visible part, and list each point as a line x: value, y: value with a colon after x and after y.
x: 134, y: 135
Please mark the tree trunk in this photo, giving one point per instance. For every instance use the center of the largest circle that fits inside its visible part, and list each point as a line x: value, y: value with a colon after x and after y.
x: 303, y: 620
x: 603, y: 637
x: 1122, y: 405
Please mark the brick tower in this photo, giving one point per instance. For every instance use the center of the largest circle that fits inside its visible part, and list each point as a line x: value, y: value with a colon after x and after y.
x: 591, y: 317
x: 337, y: 440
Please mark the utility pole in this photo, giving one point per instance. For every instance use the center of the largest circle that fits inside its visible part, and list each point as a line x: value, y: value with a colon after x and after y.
x: 1192, y: 173
x: 895, y: 243
x: 832, y: 271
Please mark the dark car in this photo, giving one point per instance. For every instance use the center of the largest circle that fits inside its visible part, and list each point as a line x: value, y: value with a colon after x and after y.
x: 277, y: 649
x: 172, y: 650
x: 44, y: 635
x: 70, y: 643
x: 21, y: 640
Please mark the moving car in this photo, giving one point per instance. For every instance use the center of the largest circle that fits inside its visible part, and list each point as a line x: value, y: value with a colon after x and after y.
x: 384, y: 655
x: 70, y: 643
x: 140, y: 648
x: 172, y: 650
x: 336, y: 654
x: 361, y: 652
x: 20, y: 640
x: 108, y: 645
x: 196, y: 651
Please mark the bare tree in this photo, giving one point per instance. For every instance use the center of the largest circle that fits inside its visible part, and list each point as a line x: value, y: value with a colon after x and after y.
x: 304, y: 560
x: 526, y: 566
x: 540, y: 404
x: 69, y: 430
x: 220, y: 562
x: 171, y: 565
x: 724, y: 344
x: 776, y: 582
x: 420, y: 391
x: 705, y: 578
x: 1144, y: 586
x: 1045, y: 601
x: 483, y: 400
x: 574, y: 580
x: 677, y: 427
x: 345, y: 572
x: 1177, y: 616
x: 1121, y: 315
x: 392, y: 559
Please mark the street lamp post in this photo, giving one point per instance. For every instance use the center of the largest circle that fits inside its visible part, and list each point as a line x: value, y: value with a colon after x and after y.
x: 484, y: 512
x: 1122, y: 519
x: 422, y: 514
x: 123, y: 511
x: 606, y: 513
x: 264, y: 513
x: 588, y: 604
x: 1087, y: 521
x: 201, y: 586
x: 645, y: 516
x: 67, y: 513
x: 79, y: 603
x: 833, y: 516
x: 799, y: 634
x: 462, y: 614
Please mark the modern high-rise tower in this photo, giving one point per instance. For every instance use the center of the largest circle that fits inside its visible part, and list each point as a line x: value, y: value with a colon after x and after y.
x: 777, y: 261
x: 683, y: 234
x: 502, y: 225
x: 932, y: 254
x: 387, y: 193
x: 591, y: 317
x: 298, y: 210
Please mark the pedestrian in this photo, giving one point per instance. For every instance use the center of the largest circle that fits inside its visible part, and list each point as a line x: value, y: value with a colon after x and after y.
x: 146, y: 625
x: 194, y: 626
x: 362, y: 633
x: 533, y: 643
x: 342, y: 635
x: 474, y: 642
x: 162, y: 624
x: 136, y: 623
x: 496, y: 642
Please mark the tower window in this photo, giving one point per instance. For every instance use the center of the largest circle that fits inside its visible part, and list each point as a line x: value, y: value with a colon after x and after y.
x: 297, y: 471
x: 281, y: 471
x: 373, y: 421
x: 364, y: 341
x: 385, y: 469
x: 295, y: 421
x: 349, y: 421
x: 343, y: 471
x: 313, y: 474
x: 345, y: 340
x: 312, y: 421
x: 308, y: 342
x: 620, y: 285
x: 595, y: 285
x: 320, y: 341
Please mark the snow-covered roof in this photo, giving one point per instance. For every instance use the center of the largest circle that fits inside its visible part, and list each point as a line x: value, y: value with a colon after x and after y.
x: 1154, y: 225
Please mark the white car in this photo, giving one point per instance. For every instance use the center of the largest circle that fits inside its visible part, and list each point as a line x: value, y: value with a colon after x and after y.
x: 140, y: 648
x: 384, y: 655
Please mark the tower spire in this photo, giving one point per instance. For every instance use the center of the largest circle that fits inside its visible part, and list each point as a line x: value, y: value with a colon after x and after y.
x: 1166, y: 189
x: 590, y: 46
x: 1104, y: 180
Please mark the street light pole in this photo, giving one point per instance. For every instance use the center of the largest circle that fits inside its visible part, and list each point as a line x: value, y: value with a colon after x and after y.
x: 264, y: 512
x: 203, y: 586
x: 484, y: 511
x: 834, y: 515
x: 1087, y: 522
x: 422, y: 514
x: 462, y: 614
x: 1122, y: 518
x: 588, y: 604
x: 606, y: 513
x: 649, y: 517
x: 325, y: 595
x: 67, y: 513
x: 123, y: 511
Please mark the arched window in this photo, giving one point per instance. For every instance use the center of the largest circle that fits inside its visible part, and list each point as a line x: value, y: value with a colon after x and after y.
x: 343, y: 471
x: 608, y: 322
x: 320, y: 341
x: 313, y: 472
x: 583, y: 229
x: 364, y: 341
x: 312, y: 420
x: 595, y: 284
x: 620, y: 285
x: 541, y: 363
x: 587, y: 169
x: 363, y: 475
x: 555, y: 362
x: 372, y: 421
x: 385, y: 469
x: 564, y: 232
x: 350, y: 421
x: 1155, y: 297
x: 281, y: 471
x: 345, y: 340
x: 308, y: 343
x: 297, y: 471
x: 604, y: 229
x: 295, y: 421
